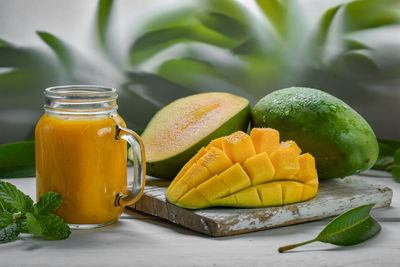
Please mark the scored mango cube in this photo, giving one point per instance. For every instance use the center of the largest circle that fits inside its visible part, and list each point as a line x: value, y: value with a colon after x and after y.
x: 285, y: 162
x: 189, y: 164
x: 238, y: 146
x: 291, y: 191
x: 244, y: 170
x: 259, y: 168
x: 216, y: 143
x: 226, y: 201
x: 307, y: 168
x: 213, y: 188
x: 235, y: 178
x: 265, y: 140
x: 193, y: 198
x: 291, y: 144
x: 270, y: 194
x: 249, y: 196
x: 215, y: 160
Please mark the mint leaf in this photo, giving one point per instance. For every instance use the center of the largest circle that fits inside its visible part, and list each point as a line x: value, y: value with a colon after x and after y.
x: 47, y: 225
x: 4, y: 206
x: 14, y: 199
x: 9, y: 233
x: 351, y: 228
x: 48, y: 203
x: 54, y: 227
x: 33, y: 224
x: 6, y: 218
x: 22, y: 226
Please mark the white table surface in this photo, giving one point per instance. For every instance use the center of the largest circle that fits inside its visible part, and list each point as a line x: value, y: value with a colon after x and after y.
x: 143, y: 240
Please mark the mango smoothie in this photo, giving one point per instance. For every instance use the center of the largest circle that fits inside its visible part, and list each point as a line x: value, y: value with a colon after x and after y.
x: 79, y: 157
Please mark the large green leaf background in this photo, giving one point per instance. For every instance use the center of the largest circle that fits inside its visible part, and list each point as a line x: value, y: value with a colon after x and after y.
x: 250, y: 48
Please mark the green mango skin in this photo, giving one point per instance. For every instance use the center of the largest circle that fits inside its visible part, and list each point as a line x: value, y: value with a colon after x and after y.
x: 168, y: 168
x: 341, y: 141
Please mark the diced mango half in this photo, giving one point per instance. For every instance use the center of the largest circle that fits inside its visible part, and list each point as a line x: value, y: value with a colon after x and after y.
x: 242, y: 170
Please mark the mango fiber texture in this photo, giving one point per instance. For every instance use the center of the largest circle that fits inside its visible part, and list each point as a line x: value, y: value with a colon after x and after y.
x: 242, y: 170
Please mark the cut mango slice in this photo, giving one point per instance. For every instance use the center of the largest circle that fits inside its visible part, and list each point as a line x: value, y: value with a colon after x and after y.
x: 246, y: 171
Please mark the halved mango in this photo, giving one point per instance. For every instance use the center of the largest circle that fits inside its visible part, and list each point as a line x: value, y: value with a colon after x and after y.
x: 237, y: 170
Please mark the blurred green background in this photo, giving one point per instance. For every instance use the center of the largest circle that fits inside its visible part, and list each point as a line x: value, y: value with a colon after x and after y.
x: 155, y: 51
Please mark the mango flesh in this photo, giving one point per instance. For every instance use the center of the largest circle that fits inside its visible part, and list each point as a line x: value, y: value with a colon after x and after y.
x: 180, y: 129
x: 245, y: 171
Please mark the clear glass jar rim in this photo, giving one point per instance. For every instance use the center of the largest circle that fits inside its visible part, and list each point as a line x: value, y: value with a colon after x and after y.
x: 81, y: 92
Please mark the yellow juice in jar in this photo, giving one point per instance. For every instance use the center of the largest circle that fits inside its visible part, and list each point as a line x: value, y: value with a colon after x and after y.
x: 79, y: 157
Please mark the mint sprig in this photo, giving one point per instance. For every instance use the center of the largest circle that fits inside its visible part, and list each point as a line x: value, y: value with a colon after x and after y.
x: 18, y: 215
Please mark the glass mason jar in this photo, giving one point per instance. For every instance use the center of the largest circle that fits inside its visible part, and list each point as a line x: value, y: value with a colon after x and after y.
x: 81, y: 153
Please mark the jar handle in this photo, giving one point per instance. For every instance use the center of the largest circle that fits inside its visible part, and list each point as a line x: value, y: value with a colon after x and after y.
x: 139, y: 167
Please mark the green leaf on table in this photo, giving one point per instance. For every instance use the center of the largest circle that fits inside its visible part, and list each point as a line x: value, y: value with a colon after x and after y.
x: 34, y: 226
x: 47, y: 203
x: 14, y: 199
x: 54, y: 227
x: 17, y: 160
x: 22, y: 226
x: 6, y: 218
x: 351, y: 228
x: 17, y: 214
x: 103, y: 17
x: 9, y: 233
x: 60, y: 48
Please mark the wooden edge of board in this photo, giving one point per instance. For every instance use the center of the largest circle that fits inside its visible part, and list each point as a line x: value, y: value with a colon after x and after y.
x: 218, y: 222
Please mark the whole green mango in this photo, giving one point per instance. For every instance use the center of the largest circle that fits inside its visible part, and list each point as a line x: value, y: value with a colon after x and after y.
x: 341, y: 141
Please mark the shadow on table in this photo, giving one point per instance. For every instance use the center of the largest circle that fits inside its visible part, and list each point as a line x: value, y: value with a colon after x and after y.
x: 120, y: 234
x: 138, y: 215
